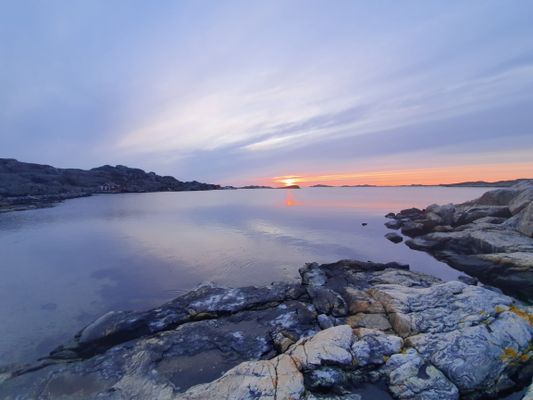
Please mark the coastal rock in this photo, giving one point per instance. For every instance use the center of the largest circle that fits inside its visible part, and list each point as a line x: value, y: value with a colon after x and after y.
x: 360, y: 301
x: 444, y: 212
x: 350, y: 396
x: 270, y: 379
x: 282, y: 376
x: 410, y: 377
x: 204, y: 302
x: 410, y: 213
x: 524, y: 223
x: 490, y: 237
x: 429, y: 339
x: 456, y: 326
x: 374, y: 321
x: 521, y: 200
x: 325, y: 321
x: 327, y: 301
x: 374, y: 347
x: 394, y: 237
x: 393, y: 224
x: 439, y: 308
x: 493, y: 347
x: 331, y: 347
x: 469, y: 215
x: 529, y: 393
x: 404, y: 278
x: 512, y: 260
x: 468, y: 280
x: 411, y: 228
x: 509, y: 271
x: 497, y: 197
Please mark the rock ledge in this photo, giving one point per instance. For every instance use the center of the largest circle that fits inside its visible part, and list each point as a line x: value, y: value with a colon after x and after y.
x: 348, y: 330
x: 490, y: 238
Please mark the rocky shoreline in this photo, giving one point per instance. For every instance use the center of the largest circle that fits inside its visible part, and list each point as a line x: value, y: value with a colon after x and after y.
x: 490, y: 238
x: 349, y: 330
x: 29, y: 202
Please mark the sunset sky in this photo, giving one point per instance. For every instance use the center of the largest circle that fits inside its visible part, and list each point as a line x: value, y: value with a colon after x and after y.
x: 258, y: 92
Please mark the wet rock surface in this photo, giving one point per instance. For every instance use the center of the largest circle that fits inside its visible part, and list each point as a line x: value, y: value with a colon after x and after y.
x: 348, y: 330
x: 490, y: 238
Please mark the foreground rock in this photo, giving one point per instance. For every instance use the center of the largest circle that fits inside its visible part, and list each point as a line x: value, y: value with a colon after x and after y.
x: 490, y: 237
x: 26, y: 185
x: 349, y: 330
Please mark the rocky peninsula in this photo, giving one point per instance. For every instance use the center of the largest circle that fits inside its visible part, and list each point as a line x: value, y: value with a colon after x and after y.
x: 490, y: 238
x: 349, y: 330
x: 26, y: 185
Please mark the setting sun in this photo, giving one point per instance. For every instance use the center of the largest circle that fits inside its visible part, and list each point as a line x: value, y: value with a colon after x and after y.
x: 288, y: 181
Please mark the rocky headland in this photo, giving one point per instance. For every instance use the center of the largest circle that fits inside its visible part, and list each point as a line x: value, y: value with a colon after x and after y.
x: 349, y: 330
x: 490, y: 237
x: 26, y: 185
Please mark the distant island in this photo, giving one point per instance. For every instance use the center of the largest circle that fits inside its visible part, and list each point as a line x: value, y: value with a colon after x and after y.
x: 27, y: 185
x: 289, y: 187
x: 507, y: 183
x: 265, y: 187
x: 256, y: 187
x: 358, y: 185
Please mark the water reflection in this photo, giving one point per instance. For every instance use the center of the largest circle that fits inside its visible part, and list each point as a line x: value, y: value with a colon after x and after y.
x: 62, y: 267
x: 289, y: 198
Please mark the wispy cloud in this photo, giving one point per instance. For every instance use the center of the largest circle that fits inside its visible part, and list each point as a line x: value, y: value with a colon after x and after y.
x: 269, y: 117
x: 191, y: 89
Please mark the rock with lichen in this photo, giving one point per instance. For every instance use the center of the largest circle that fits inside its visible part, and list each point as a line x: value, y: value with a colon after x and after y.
x: 381, y: 329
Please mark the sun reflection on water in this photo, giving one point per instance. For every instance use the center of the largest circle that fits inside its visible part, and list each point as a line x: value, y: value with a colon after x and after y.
x: 289, y: 199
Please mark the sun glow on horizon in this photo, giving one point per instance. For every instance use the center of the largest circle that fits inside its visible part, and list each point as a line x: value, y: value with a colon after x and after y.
x: 289, y: 181
x: 415, y: 176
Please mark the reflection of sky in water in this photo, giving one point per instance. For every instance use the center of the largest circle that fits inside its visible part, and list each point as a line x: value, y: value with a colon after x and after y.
x: 61, y: 267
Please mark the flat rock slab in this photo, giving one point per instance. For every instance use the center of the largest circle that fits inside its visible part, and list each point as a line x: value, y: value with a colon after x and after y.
x: 389, y: 333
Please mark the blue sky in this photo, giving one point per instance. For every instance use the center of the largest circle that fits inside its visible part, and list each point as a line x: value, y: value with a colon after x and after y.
x: 239, y: 91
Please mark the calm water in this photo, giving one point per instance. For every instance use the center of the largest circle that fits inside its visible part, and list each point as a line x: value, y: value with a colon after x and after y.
x: 61, y: 267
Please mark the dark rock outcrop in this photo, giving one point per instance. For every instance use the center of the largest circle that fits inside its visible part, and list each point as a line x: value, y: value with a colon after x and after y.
x: 394, y: 237
x: 383, y: 327
x: 289, y: 187
x: 490, y: 237
x: 26, y: 185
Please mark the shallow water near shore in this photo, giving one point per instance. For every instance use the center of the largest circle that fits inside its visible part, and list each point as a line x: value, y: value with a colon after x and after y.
x: 62, y: 267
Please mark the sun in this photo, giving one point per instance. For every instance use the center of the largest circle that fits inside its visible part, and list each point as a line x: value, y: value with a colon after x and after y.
x: 288, y: 181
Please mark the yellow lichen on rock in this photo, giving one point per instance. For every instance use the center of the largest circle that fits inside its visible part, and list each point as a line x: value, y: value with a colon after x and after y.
x: 508, y: 354
x: 522, y: 314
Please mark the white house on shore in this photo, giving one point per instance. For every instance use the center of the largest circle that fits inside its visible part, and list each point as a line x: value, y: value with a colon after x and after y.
x: 109, y: 187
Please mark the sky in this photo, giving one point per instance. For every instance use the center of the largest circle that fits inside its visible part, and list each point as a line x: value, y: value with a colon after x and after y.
x: 270, y: 92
